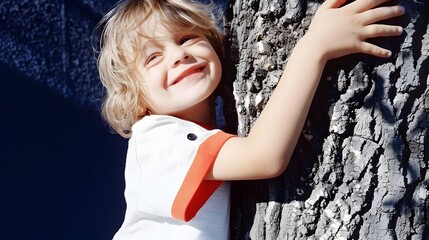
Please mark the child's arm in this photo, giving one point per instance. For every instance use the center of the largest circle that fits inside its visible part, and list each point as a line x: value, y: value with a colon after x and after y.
x: 334, y: 32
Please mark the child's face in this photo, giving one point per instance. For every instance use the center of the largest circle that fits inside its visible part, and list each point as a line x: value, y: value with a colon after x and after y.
x: 180, y: 70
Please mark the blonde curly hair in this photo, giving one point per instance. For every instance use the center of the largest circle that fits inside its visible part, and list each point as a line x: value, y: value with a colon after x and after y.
x: 123, y: 29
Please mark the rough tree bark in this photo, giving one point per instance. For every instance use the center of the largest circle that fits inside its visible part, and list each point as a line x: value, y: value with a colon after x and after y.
x: 360, y: 169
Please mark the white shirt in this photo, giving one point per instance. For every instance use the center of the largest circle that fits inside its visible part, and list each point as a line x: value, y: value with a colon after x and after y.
x: 166, y: 194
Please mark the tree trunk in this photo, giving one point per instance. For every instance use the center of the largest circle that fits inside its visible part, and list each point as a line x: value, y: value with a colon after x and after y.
x: 360, y: 168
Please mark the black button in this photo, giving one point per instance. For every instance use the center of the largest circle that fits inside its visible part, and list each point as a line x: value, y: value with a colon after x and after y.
x: 192, y: 136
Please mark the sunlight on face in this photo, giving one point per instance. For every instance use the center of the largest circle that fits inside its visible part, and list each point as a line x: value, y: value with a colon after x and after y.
x: 180, y: 69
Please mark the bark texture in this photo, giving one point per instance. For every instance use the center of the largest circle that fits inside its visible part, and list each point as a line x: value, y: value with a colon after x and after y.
x: 360, y: 169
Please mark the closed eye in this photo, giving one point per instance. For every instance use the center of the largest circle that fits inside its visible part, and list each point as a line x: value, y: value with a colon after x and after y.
x: 152, y: 58
x: 189, y: 39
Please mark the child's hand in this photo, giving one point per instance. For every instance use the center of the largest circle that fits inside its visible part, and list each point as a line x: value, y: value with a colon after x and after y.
x: 336, y: 31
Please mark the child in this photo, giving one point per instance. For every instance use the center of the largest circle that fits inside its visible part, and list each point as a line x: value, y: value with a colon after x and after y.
x: 160, y: 62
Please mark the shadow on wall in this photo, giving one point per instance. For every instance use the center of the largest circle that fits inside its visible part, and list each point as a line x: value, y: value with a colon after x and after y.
x: 62, y: 170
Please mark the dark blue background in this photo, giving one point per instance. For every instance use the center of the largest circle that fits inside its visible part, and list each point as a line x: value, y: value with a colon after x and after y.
x: 61, y: 168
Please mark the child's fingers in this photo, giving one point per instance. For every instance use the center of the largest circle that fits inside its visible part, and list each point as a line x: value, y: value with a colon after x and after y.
x: 332, y: 3
x: 378, y: 30
x: 382, y: 13
x: 371, y: 49
x: 364, y: 5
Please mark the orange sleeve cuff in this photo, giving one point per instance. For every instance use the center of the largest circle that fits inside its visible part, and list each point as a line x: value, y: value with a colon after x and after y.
x: 195, y: 191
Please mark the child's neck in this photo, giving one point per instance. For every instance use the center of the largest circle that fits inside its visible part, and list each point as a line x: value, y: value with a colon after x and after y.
x: 203, y: 113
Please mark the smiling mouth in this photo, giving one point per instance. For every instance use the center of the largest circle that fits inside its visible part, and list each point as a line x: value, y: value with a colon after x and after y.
x: 188, y: 73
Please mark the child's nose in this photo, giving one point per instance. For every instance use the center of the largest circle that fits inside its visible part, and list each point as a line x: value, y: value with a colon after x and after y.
x: 180, y: 60
x: 180, y: 56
